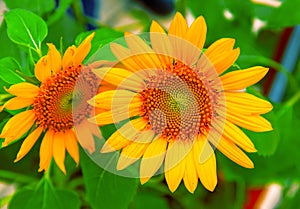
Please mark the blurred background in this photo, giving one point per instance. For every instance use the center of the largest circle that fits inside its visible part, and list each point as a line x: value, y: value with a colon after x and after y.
x: 267, y: 33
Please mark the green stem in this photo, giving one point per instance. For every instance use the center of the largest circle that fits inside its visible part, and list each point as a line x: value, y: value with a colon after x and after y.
x: 17, y: 177
x: 293, y: 99
x: 240, y: 194
x: 77, y: 8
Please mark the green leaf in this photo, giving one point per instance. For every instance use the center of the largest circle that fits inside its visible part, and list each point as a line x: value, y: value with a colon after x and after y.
x: 149, y: 200
x: 106, y: 190
x: 8, y: 68
x: 37, y: 6
x: 26, y: 29
x: 44, y: 197
x: 283, y: 17
x: 11, y: 49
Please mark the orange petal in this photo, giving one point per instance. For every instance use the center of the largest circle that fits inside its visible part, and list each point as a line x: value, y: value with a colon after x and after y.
x: 72, y: 145
x: 46, y: 151
x: 17, y: 126
x: 54, y: 58
x: 24, y: 90
x: 59, y: 150
x: 68, y: 56
x: 17, y: 103
x: 83, y: 49
x: 28, y: 143
x: 42, y: 70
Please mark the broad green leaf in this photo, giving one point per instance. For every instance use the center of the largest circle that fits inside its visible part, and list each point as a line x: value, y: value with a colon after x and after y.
x: 11, y: 49
x: 45, y: 196
x: 37, y: 6
x: 283, y: 17
x: 26, y: 29
x: 149, y: 200
x: 106, y: 190
x: 8, y: 68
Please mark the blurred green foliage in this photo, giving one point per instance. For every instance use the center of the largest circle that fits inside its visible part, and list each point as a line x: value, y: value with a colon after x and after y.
x: 29, y: 25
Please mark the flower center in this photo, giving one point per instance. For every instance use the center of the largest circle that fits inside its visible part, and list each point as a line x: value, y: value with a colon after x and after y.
x: 58, y: 106
x: 176, y: 103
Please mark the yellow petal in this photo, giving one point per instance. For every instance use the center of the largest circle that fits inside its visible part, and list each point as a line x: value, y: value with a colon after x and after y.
x: 251, y: 122
x: 145, y: 56
x: 130, y: 154
x: 241, y: 79
x: 178, y: 26
x: 206, y: 171
x: 72, y: 145
x: 145, y: 137
x: 124, y: 56
x: 175, y: 163
x: 218, y: 48
x: 238, y: 137
x: 224, y: 61
x: 197, y: 32
x: 68, y: 57
x: 46, y: 151
x: 28, y: 143
x: 85, y: 137
x: 54, y: 58
x: 190, y: 177
x: 59, y: 150
x: 155, y: 27
x: 117, y: 113
x: 124, y: 135
x: 17, y: 126
x: 152, y: 159
x: 23, y: 90
x: 83, y: 49
x: 17, y: 103
x: 42, y: 70
x: 114, y: 99
x: 230, y: 150
x: 246, y: 103
x: 121, y: 78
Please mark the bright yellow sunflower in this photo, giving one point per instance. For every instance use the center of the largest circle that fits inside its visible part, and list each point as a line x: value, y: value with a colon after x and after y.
x: 48, y: 106
x: 180, y: 103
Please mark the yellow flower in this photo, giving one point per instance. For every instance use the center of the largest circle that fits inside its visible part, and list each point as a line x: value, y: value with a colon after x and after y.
x: 180, y: 104
x: 49, y: 107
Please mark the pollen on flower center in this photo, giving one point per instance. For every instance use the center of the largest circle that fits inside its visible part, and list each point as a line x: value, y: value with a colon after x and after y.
x: 176, y: 103
x: 54, y: 104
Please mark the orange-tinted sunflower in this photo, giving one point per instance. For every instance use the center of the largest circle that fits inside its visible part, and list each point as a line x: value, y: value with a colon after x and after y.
x: 180, y: 104
x: 48, y: 106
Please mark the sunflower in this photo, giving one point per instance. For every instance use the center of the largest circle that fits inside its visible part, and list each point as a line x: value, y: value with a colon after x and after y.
x: 48, y: 106
x: 173, y: 104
